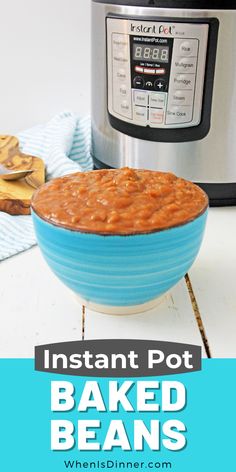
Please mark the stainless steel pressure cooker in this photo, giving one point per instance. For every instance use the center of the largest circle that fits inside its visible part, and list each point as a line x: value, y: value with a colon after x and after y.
x: 164, y: 89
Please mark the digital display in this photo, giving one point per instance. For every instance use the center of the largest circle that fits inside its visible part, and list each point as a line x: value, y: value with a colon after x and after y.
x: 150, y: 53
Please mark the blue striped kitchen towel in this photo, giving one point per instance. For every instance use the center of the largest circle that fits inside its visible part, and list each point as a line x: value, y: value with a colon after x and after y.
x: 64, y: 145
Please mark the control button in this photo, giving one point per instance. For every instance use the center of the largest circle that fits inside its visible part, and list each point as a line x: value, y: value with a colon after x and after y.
x: 125, y: 107
x: 188, y: 48
x: 181, y: 97
x: 185, y: 64
x: 160, y: 71
x: 123, y: 90
x: 121, y: 74
x: 184, y: 82
x: 120, y: 41
x: 176, y: 115
x: 140, y: 114
x: 149, y: 71
x: 149, y: 84
x: 157, y: 100
x: 138, y: 82
x: 156, y: 116
x: 160, y: 84
x: 139, y: 69
x: 141, y: 98
x: 120, y: 57
x: 122, y: 106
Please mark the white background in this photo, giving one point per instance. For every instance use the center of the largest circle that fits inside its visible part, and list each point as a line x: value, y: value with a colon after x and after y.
x: 45, y: 60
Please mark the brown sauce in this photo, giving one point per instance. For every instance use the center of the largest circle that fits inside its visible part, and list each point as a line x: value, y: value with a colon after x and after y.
x: 121, y: 201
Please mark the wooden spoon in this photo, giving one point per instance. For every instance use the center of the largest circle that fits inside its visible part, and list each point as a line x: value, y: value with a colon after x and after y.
x: 9, y: 174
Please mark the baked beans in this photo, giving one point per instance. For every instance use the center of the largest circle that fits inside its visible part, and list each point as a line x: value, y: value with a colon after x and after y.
x: 119, y: 201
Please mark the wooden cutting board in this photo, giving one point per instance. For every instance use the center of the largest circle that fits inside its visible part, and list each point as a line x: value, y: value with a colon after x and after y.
x: 15, y: 196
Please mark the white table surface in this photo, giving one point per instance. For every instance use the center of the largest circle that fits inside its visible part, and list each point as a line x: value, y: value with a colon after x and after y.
x: 36, y: 308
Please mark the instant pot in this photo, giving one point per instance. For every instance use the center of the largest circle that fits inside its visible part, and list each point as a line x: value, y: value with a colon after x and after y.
x: 164, y: 89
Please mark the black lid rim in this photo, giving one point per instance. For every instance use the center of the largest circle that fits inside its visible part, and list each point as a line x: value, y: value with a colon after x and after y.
x: 184, y: 4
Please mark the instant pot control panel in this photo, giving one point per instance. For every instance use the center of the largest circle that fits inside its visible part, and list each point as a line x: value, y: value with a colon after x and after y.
x: 156, y: 75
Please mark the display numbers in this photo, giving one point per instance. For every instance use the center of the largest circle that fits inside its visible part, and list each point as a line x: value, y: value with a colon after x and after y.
x: 151, y: 53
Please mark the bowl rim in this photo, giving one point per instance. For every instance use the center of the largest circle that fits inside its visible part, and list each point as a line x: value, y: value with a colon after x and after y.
x: 136, y: 233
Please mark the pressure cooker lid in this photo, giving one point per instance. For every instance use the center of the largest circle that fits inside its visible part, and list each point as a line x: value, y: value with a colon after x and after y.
x: 189, y: 4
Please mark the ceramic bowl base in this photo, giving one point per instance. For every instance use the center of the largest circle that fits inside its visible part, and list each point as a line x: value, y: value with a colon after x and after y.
x: 120, y: 310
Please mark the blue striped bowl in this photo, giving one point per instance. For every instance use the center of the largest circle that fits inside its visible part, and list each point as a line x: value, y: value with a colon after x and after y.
x: 120, y: 274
